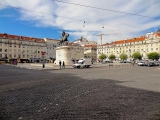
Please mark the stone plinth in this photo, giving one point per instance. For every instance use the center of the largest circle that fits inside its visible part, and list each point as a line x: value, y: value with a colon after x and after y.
x: 63, y: 53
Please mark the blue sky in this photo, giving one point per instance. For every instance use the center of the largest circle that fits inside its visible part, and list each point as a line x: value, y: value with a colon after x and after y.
x: 47, y: 18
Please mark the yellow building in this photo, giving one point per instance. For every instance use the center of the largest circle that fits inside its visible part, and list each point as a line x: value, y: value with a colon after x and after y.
x: 20, y: 47
x: 144, y: 44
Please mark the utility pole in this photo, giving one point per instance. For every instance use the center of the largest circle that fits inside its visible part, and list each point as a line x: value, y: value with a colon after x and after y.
x: 106, y: 34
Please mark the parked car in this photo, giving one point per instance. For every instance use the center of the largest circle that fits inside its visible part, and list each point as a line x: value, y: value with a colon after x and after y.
x: 129, y: 61
x: 108, y: 61
x: 149, y: 63
x: 123, y: 61
x: 141, y: 63
x: 156, y: 63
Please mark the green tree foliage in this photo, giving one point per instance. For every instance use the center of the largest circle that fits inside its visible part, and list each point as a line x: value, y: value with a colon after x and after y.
x: 123, y: 56
x: 153, y: 55
x: 102, y: 56
x: 112, y: 57
x: 137, y: 55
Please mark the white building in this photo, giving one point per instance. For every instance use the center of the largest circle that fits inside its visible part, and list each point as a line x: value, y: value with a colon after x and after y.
x: 51, y: 45
x: 84, y: 41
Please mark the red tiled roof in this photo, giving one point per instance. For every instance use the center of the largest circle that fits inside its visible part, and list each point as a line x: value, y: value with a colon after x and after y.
x: 128, y: 40
x: 103, y: 45
x: 12, y: 37
x: 157, y: 34
x: 52, y: 39
x: 90, y: 45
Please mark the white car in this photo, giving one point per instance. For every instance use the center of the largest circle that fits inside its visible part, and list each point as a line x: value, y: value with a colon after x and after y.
x: 141, y: 63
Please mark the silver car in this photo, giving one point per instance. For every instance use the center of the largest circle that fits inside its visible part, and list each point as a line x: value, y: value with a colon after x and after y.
x: 156, y: 63
x: 141, y: 63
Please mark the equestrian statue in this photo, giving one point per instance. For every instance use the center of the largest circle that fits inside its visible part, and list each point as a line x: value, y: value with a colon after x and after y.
x: 64, y: 37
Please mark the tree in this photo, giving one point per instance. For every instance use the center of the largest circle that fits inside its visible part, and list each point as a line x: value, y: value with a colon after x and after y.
x: 153, y: 55
x: 123, y: 56
x: 112, y: 57
x: 137, y: 55
x: 102, y: 56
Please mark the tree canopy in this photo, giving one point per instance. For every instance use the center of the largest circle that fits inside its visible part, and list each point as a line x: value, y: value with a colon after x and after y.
x: 102, y: 56
x: 112, y: 57
x: 137, y: 55
x: 123, y: 56
x: 153, y: 55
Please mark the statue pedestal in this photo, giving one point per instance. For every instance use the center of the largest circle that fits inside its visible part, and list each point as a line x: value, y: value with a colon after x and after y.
x: 63, y: 53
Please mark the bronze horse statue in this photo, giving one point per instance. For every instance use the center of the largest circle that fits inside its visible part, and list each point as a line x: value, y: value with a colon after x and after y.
x: 64, y: 37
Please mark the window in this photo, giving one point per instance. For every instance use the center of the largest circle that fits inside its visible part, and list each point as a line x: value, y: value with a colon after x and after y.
x: 14, y: 50
x: 10, y: 50
x: 0, y: 55
x: 10, y: 55
x: 5, y: 50
x: 151, y: 49
x: 0, y: 44
x: 0, y: 49
x: 156, y: 49
x: 14, y: 56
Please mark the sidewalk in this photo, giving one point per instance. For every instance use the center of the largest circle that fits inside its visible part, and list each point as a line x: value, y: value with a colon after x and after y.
x: 39, y: 66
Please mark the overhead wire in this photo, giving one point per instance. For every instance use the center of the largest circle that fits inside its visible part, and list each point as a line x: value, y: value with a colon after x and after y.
x: 68, y: 18
x: 105, y: 9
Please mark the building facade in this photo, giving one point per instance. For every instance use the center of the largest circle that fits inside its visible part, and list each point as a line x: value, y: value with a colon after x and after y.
x: 51, y: 45
x: 84, y: 41
x: 90, y: 51
x: 143, y: 44
x: 20, y: 47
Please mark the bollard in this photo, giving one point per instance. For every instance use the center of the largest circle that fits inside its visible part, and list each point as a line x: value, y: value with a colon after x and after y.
x: 43, y: 66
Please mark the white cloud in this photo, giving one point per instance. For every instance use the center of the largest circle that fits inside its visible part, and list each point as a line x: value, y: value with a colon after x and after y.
x: 56, y: 14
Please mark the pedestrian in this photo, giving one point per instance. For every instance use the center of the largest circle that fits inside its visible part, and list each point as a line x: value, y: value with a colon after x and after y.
x: 133, y: 62
x: 63, y: 65
x: 60, y: 64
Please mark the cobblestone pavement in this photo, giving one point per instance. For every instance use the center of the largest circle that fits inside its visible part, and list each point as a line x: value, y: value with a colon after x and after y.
x: 97, y: 93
